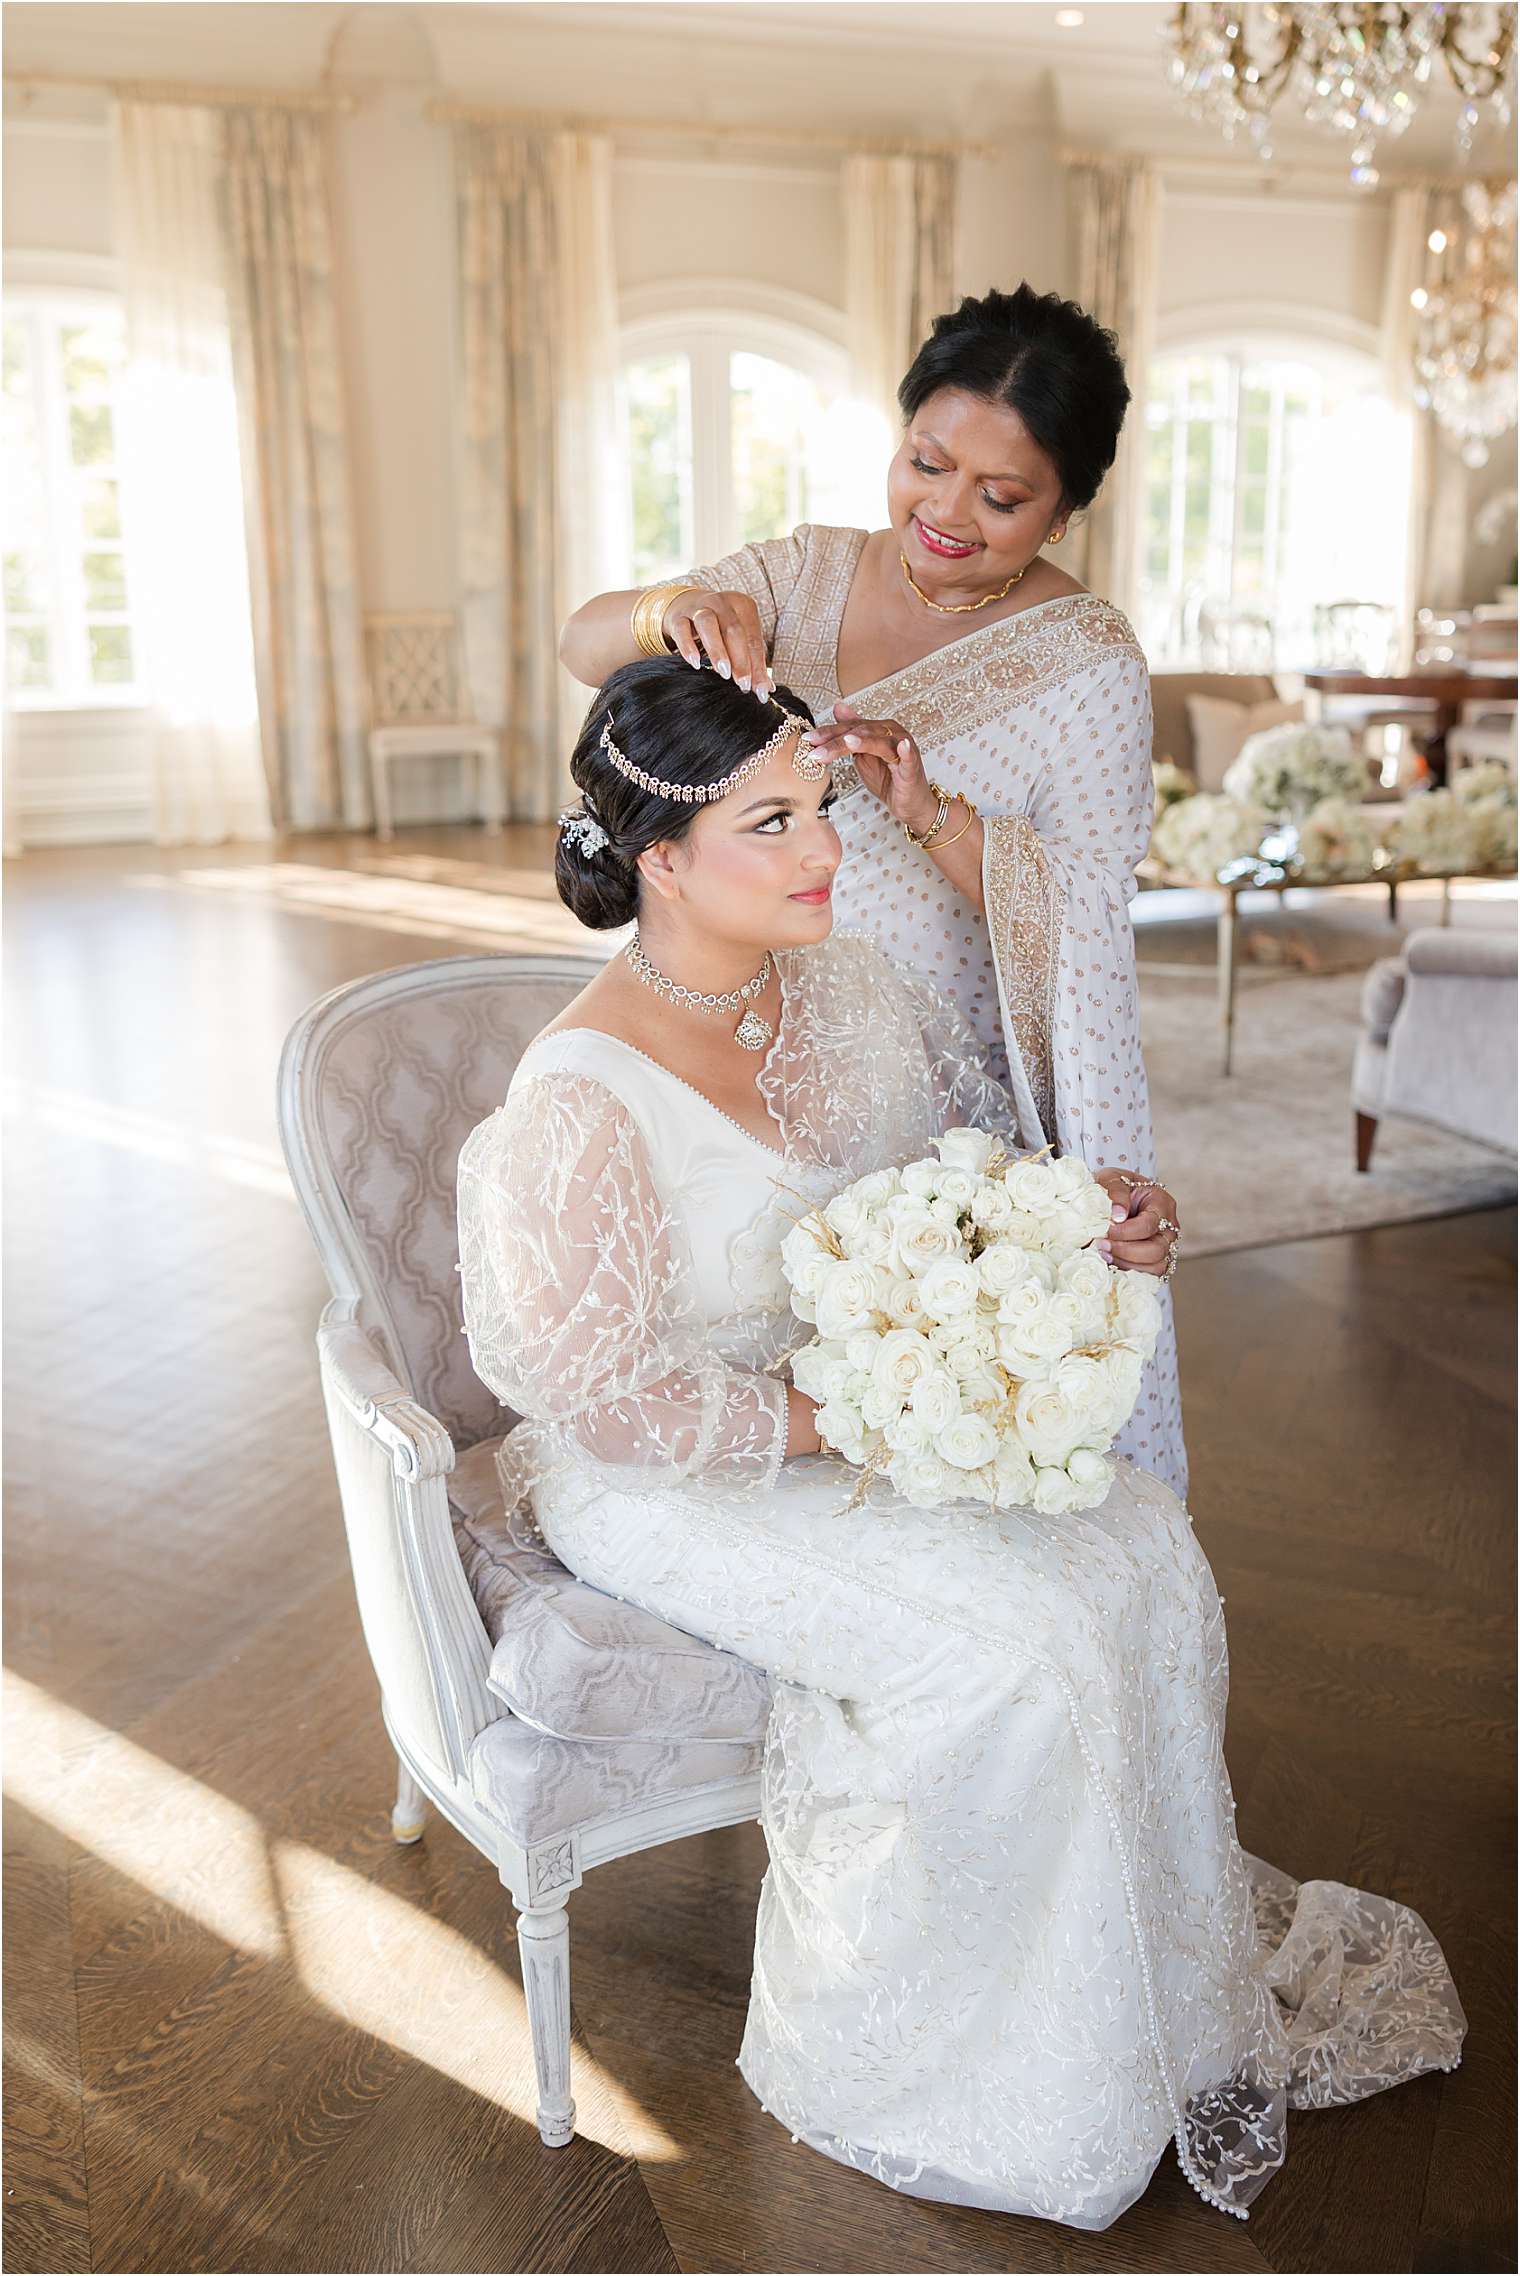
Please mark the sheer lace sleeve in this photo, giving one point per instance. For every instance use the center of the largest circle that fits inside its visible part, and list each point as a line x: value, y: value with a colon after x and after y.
x: 767, y: 571
x: 578, y: 1301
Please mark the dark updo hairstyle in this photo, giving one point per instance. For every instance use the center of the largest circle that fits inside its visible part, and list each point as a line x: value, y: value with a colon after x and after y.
x: 684, y: 726
x: 1046, y: 359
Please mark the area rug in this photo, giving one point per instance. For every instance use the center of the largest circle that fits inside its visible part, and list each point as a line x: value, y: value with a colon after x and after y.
x: 1264, y: 1155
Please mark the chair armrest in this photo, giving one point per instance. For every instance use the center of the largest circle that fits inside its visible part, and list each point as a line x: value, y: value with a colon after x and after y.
x: 417, y: 1443
x: 1473, y: 955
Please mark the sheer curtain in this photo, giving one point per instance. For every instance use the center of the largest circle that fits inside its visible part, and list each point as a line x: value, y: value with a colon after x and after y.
x: 899, y: 221
x: 542, y: 490
x: 306, y: 610
x: 1116, y: 210
x: 181, y: 481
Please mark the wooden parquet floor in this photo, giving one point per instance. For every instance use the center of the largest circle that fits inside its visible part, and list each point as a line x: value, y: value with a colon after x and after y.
x: 247, y: 2032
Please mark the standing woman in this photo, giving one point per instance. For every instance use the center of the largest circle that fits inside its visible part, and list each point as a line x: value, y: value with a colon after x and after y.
x: 992, y: 719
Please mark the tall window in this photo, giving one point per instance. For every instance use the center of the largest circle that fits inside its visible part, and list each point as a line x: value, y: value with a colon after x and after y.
x: 1275, y: 484
x: 732, y: 431
x: 69, y: 634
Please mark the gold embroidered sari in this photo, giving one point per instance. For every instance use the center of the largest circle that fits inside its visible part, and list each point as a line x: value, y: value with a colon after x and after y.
x: 1044, y: 719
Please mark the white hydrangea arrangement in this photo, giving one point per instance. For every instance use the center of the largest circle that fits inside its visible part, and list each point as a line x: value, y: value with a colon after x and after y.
x: 1171, y: 783
x: 1335, y: 839
x: 1290, y: 769
x: 1199, y: 836
x: 970, y: 1343
x: 1437, y: 834
x: 1487, y: 791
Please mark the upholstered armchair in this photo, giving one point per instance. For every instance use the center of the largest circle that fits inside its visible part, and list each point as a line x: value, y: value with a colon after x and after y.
x: 555, y: 1727
x: 1438, y: 1039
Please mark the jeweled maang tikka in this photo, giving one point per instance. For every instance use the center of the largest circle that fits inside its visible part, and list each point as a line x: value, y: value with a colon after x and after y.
x: 808, y: 762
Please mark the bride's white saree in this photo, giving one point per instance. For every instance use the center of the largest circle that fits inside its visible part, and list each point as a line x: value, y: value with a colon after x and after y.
x: 1008, y: 1943
x: 1043, y: 718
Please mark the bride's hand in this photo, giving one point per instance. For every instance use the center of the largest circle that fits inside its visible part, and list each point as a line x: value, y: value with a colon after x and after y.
x: 887, y: 761
x: 1146, y: 1238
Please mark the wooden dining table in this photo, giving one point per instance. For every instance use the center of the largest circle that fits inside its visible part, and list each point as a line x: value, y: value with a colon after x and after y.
x: 1445, y: 692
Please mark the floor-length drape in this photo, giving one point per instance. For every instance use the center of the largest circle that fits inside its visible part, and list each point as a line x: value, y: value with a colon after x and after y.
x: 899, y: 217
x: 1116, y: 215
x: 306, y: 608
x: 182, y: 498
x: 543, y: 515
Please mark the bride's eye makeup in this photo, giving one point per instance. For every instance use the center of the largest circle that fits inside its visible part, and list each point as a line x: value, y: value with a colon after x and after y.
x: 786, y: 813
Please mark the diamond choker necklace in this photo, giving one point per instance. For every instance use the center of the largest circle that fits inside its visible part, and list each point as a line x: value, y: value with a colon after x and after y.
x: 752, y: 1033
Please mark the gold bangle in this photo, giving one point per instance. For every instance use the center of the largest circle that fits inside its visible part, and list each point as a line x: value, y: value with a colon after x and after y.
x: 647, y: 618
x: 940, y: 818
x: 945, y: 843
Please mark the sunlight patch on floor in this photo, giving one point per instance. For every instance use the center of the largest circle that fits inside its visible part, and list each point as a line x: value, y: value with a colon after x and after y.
x: 402, y: 903
x: 71, y: 1114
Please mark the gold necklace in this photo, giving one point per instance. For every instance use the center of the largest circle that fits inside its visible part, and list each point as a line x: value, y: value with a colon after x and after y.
x: 958, y: 608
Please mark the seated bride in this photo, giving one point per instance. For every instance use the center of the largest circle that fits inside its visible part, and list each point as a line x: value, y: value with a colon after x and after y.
x: 1008, y: 1945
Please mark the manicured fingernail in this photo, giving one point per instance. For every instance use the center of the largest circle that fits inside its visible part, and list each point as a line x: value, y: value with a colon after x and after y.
x: 1119, y: 1215
x: 852, y: 742
x: 1104, y: 1251
x: 744, y: 682
x: 695, y: 663
x: 725, y: 669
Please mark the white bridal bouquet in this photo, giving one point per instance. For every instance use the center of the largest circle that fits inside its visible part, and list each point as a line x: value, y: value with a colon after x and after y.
x: 1290, y: 768
x: 971, y: 1344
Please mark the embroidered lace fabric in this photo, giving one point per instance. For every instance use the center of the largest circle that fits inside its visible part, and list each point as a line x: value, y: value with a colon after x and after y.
x: 1008, y: 1944
x: 1044, y: 717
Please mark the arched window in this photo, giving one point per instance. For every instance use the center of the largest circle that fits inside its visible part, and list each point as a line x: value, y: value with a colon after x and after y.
x: 1277, y: 482
x: 69, y: 632
x: 732, y: 426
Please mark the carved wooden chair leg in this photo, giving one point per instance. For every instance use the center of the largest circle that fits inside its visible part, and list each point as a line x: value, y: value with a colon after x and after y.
x: 543, y: 1943
x: 409, y: 1817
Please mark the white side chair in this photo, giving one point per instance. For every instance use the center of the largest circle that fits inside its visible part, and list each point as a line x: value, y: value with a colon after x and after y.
x: 555, y: 1727
x: 416, y: 710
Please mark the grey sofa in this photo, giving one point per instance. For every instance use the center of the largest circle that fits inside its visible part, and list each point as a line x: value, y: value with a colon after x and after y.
x: 1438, y: 1040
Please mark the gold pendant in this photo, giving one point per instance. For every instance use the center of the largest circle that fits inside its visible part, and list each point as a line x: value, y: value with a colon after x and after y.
x: 753, y: 1033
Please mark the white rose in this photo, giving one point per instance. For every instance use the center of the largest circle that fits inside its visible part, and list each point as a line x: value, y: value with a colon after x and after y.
x: 1122, y: 1368
x: 1086, y: 1275
x: 921, y: 1180
x: 1032, y: 1186
x: 945, y: 1211
x: 936, y: 1398
x: 1036, y: 1340
x: 1056, y: 1493
x: 1135, y: 1308
x: 957, y: 1187
x: 876, y: 1187
x: 920, y: 1239
x: 847, y: 1300
x: 1073, y: 1177
x: 950, y: 1288
x: 811, y: 1366
x: 873, y: 1244
x: 902, y: 1357
x: 1006, y: 1266
x: 1088, y: 1389
x: 983, y: 1388
x: 879, y: 1405
x: 966, y: 1150
x: 1013, y: 1475
x: 807, y: 1272
x: 1092, y: 1473
x: 847, y: 1215
x: 1048, y: 1430
x: 902, y: 1303
x: 909, y: 1434
x: 991, y: 1207
x: 923, y: 1479
x: 963, y: 1360
x: 967, y: 1443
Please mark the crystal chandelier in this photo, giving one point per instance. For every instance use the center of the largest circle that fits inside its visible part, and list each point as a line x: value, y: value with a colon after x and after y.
x: 1465, y: 351
x: 1360, y: 67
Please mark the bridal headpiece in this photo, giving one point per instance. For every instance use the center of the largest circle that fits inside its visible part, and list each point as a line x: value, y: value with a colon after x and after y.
x: 580, y: 828
x: 809, y: 764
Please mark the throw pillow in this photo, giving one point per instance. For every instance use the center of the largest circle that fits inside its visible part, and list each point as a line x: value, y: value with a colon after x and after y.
x: 1219, y: 728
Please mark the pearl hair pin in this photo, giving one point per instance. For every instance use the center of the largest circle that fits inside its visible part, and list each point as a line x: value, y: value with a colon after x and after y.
x: 580, y: 828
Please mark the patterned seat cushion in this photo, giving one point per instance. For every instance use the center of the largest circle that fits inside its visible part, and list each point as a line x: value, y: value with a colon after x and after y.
x: 539, y: 1788
x: 576, y: 1664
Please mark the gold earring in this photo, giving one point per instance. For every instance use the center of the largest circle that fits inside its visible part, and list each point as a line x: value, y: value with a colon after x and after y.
x: 1056, y: 536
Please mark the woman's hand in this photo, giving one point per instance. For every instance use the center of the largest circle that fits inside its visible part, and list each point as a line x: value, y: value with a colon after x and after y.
x: 725, y: 627
x: 887, y: 761
x: 1144, y: 1233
